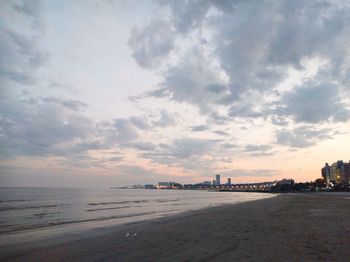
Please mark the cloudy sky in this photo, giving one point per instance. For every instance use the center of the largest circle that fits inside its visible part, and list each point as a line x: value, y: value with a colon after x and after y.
x: 108, y: 93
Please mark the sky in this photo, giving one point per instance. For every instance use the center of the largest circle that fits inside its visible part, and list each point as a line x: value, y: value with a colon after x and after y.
x: 111, y: 93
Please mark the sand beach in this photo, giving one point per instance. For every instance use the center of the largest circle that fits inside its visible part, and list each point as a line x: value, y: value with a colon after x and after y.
x: 288, y: 227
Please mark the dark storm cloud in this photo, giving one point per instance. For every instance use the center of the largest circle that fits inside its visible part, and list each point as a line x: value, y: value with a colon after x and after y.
x: 259, y: 150
x: 83, y: 147
x: 256, y: 43
x: 57, y: 127
x: 37, y: 127
x: 187, y: 14
x: 199, y: 128
x: 143, y: 146
x: 217, y: 89
x: 221, y: 133
x: 20, y: 57
x: 188, y: 147
x: 140, y: 122
x: 30, y: 9
x: 161, y: 92
x: 129, y: 127
x: 192, y: 82
x: 315, y: 103
x: 52, y: 126
x: 279, y: 120
x: 184, y: 152
x: 121, y: 132
x: 256, y: 47
x: 115, y: 159
x: 152, y: 43
x: 302, y: 136
x: 245, y: 110
x: 240, y: 54
x: 165, y: 119
x: 72, y: 104
x: 253, y: 148
x: 229, y: 146
x: 20, y: 50
x: 218, y: 118
x: 180, y: 149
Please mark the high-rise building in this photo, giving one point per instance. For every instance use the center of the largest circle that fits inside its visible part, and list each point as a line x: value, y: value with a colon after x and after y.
x: 218, y: 180
x: 347, y: 172
x: 340, y: 174
x: 229, y: 181
x: 334, y: 172
x: 326, y: 173
x: 337, y: 173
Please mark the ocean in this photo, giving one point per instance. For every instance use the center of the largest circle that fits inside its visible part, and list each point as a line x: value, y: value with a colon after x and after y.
x: 38, y: 212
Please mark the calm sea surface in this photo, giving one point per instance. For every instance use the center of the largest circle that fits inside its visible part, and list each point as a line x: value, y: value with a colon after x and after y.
x: 39, y: 210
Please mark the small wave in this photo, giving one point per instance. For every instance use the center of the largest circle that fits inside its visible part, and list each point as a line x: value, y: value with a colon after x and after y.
x: 9, y: 208
x: 45, y: 214
x: 109, y: 208
x: 166, y: 200
x: 117, y: 203
x: 108, y: 203
x: 15, y: 228
x: 16, y: 200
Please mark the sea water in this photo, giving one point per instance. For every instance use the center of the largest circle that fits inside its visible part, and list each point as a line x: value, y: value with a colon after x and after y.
x: 41, y: 211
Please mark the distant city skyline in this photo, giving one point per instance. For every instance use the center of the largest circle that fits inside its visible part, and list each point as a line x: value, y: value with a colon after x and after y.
x: 111, y: 93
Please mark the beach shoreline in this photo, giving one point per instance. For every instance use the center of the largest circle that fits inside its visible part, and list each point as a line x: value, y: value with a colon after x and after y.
x: 288, y: 227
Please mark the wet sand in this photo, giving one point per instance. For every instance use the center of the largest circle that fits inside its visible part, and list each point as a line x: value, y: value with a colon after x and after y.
x: 289, y: 227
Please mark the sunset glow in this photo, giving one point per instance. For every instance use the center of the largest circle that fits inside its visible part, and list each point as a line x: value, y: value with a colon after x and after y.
x: 111, y: 93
